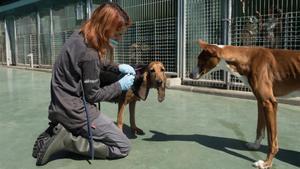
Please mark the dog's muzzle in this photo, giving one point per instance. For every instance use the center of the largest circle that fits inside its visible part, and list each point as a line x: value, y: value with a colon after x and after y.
x: 195, y: 73
x: 158, y: 83
x: 161, y: 90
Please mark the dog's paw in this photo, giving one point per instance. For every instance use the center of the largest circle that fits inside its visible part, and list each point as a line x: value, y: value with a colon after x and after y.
x: 253, y: 146
x: 261, y: 164
x: 137, y: 131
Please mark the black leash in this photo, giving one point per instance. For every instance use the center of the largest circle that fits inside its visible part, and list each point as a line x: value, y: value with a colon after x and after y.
x: 90, y: 135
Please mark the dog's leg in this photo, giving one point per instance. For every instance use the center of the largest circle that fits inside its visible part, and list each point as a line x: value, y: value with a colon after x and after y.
x: 271, y: 122
x: 270, y: 110
x: 133, y: 126
x: 260, y: 130
x: 121, y: 109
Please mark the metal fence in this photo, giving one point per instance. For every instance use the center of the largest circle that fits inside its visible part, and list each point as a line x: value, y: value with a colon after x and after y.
x: 203, y: 21
x: 163, y: 30
x: 153, y: 33
x: 64, y: 23
x: 147, y: 41
x: 152, y: 36
x: 26, y: 39
x: 42, y: 33
x: 268, y: 23
x: 45, y: 41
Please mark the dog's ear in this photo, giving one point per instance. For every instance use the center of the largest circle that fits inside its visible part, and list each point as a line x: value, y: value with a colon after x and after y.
x: 162, y: 89
x: 213, y: 49
x: 144, y: 89
x: 202, y: 44
x: 140, y: 69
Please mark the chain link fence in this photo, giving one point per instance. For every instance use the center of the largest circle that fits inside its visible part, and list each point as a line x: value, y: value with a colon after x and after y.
x: 156, y: 34
x: 267, y: 23
x: 153, y: 34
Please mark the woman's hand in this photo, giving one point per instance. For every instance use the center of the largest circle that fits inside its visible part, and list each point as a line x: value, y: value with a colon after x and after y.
x: 126, y: 69
x: 126, y: 82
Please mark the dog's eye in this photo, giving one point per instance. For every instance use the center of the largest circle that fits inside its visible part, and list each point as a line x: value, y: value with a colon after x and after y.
x: 162, y: 69
x: 152, y: 70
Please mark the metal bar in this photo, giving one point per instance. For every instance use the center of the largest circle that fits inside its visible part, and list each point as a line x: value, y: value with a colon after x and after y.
x: 16, y: 44
x: 224, y: 25
x: 229, y: 21
x: 51, y: 36
x: 181, y: 38
x: 7, y: 44
x: 89, y: 8
x: 38, y: 21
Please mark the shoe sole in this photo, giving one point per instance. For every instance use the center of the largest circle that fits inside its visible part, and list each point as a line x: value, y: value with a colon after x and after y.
x: 40, y: 141
x: 47, y: 145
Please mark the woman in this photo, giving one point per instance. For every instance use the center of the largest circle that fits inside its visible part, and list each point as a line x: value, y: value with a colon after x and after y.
x: 75, y: 88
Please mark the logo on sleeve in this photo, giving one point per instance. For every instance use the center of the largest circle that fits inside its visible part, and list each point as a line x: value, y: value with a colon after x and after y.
x: 91, y: 81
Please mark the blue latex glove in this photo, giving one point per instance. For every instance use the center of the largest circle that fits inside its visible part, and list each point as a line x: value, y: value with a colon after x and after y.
x: 126, y: 69
x: 126, y: 82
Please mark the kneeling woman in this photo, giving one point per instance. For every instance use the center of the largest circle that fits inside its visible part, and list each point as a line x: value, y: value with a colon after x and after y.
x: 75, y: 88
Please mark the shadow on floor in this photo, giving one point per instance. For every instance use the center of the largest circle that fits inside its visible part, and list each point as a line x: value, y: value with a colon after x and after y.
x: 225, y: 144
x: 69, y: 155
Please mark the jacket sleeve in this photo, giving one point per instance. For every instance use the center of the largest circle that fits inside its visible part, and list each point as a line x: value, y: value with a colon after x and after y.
x: 108, y: 66
x: 91, y: 83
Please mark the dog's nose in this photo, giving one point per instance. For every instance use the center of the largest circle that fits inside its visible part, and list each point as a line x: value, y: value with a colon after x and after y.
x: 158, y: 82
x: 195, y: 73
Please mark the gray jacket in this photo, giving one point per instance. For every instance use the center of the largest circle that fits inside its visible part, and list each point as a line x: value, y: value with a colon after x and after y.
x: 77, y: 62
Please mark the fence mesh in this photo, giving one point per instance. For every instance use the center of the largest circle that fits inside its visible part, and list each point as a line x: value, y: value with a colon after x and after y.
x: 26, y: 39
x: 268, y: 23
x: 203, y: 21
x: 153, y: 33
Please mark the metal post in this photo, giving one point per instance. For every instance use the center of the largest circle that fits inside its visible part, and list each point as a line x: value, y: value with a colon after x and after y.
x: 89, y: 8
x: 38, y: 22
x: 51, y: 36
x: 16, y: 44
x: 229, y: 21
x: 226, y: 31
x: 155, y: 34
x: 30, y: 56
x: 181, y: 39
x: 226, y: 21
x: 7, y: 44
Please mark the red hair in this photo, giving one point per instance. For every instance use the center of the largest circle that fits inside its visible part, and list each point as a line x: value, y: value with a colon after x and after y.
x: 107, y: 19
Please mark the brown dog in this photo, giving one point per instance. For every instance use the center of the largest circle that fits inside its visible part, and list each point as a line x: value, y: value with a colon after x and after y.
x: 150, y: 76
x: 270, y: 73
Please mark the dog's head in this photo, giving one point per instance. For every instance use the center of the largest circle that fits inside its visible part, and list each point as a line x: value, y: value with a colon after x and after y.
x: 153, y: 77
x: 208, y: 59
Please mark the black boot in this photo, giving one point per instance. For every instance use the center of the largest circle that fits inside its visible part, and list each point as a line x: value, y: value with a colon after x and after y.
x: 63, y: 140
x: 42, y: 138
x: 51, y: 145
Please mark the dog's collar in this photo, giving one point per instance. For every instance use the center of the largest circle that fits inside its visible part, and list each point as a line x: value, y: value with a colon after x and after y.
x: 139, y: 77
x: 137, y: 85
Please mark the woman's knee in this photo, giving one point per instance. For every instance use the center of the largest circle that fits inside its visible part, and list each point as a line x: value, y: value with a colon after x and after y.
x: 126, y: 147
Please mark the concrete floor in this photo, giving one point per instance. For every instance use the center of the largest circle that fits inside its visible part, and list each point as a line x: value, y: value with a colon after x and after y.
x: 188, y: 130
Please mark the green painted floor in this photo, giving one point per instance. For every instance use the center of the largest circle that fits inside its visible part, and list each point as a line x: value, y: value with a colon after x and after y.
x: 186, y: 131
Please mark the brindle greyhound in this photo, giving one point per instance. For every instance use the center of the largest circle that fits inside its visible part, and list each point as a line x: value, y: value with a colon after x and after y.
x: 270, y: 73
x: 147, y: 76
